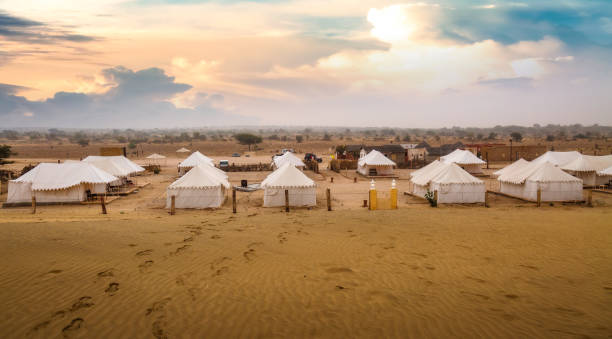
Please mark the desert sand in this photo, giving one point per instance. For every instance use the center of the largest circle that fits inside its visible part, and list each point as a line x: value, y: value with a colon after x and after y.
x: 504, y: 271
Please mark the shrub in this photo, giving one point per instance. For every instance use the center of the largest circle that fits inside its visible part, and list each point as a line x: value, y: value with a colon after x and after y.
x: 430, y: 197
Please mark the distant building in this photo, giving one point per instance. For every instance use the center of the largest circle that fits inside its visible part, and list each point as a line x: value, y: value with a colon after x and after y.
x: 511, y: 153
x: 415, y: 151
x: 442, y: 150
x: 395, y: 152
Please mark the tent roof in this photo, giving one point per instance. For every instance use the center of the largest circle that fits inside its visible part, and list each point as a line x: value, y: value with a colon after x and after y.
x: 287, y: 176
x: 607, y: 171
x: 196, y: 158
x: 51, y: 176
x: 182, y: 150
x: 156, y: 156
x: 589, y: 163
x: 117, y: 165
x: 540, y: 172
x: 375, y: 158
x: 200, y: 177
x: 513, y: 166
x: 462, y: 157
x: 288, y: 157
x: 557, y: 158
x: 428, y: 167
x: 445, y: 174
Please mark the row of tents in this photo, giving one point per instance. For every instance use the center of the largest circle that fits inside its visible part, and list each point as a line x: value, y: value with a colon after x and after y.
x: 72, y: 181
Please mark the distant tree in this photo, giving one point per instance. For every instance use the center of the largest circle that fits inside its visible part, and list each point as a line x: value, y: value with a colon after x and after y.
x: 550, y: 137
x: 10, y: 134
x: 580, y: 136
x: 406, y: 138
x: 82, y: 141
x: 516, y: 136
x: 273, y: 137
x: 5, y: 152
x: 397, y: 138
x: 299, y: 139
x: 132, y: 145
x: 247, y: 139
x: 326, y: 137
x: 492, y: 136
x: 284, y: 138
x: 479, y: 136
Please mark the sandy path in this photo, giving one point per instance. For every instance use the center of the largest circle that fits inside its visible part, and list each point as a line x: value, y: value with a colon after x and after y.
x: 435, y: 273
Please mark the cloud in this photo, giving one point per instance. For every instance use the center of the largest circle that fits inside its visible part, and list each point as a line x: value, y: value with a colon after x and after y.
x: 133, y: 99
x: 15, y: 28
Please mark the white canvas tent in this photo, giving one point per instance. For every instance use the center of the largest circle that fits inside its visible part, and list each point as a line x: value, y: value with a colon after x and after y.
x: 557, y: 158
x: 119, y: 166
x: 196, y: 158
x: 466, y: 159
x: 302, y: 189
x: 201, y: 187
x: 586, y: 167
x: 279, y: 160
x: 513, y: 166
x: 156, y: 159
x: 454, y: 184
x: 59, y: 183
x: 428, y: 167
x: 182, y: 150
x: 375, y: 164
x: 554, y: 183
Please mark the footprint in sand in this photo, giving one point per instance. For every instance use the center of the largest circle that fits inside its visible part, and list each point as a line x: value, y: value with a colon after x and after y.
x: 83, y: 302
x: 249, y: 255
x: 55, y: 272
x: 482, y: 281
x: 145, y: 265
x: 216, y: 236
x: 74, y: 326
x: 530, y: 267
x: 180, y: 249
x: 339, y: 270
x: 104, y: 274
x: 282, y: 237
x: 145, y: 252
x: 112, y: 288
x: 158, y: 327
x: 188, y: 239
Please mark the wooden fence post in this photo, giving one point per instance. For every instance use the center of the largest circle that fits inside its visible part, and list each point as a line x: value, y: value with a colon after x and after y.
x: 539, y: 197
x: 436, y: 197
x: 590, y: 198
x: 234, y: 200
x: 332, y: 179
x: 486, y: 199
x: 173, y: 205
x: 103, y: 204
x: 328, y: 192
x: 286, y: 200
x: 354, y: 179
x: 33, y: 204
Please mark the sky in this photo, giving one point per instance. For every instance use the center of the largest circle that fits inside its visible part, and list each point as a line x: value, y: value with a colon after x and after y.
x: 198, y: 63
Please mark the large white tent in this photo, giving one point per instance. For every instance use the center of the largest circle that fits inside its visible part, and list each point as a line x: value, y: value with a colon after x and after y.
x: 196, y: 158
x: 375, y: 164
x: 201, y: 187
x: 557, y: 158
x: 428, y: 167
x: 466, y: 159
x: 586, y: 167
x: 554, y: 183
x: 454, y: 184
x: 513, y: 166
x: 55, y: 183
x: 288, y: 157
x: 302, y: 189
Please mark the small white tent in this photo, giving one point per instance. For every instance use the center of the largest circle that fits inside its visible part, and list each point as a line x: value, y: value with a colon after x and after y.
x: 201, y: 187
x: 182, y: 150
x: 156, y: 159
x: 513, y: 166
x: 466, y: 159
x: 56, y: 183
x: 557, y: 158
x: 454, y: 184
x: 279, y: 160
x: 586, y: 167
x: 555, y: 185
x: 119, y: 166
x: 375, y: 164
x: 302, y: 189
x: 196, y: 158
x: 606, y: 173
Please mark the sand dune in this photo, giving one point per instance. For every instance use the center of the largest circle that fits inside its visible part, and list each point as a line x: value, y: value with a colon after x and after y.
x: 435, y: 273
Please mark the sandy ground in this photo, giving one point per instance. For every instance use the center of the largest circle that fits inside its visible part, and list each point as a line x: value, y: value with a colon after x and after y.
x: 512, y: 270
